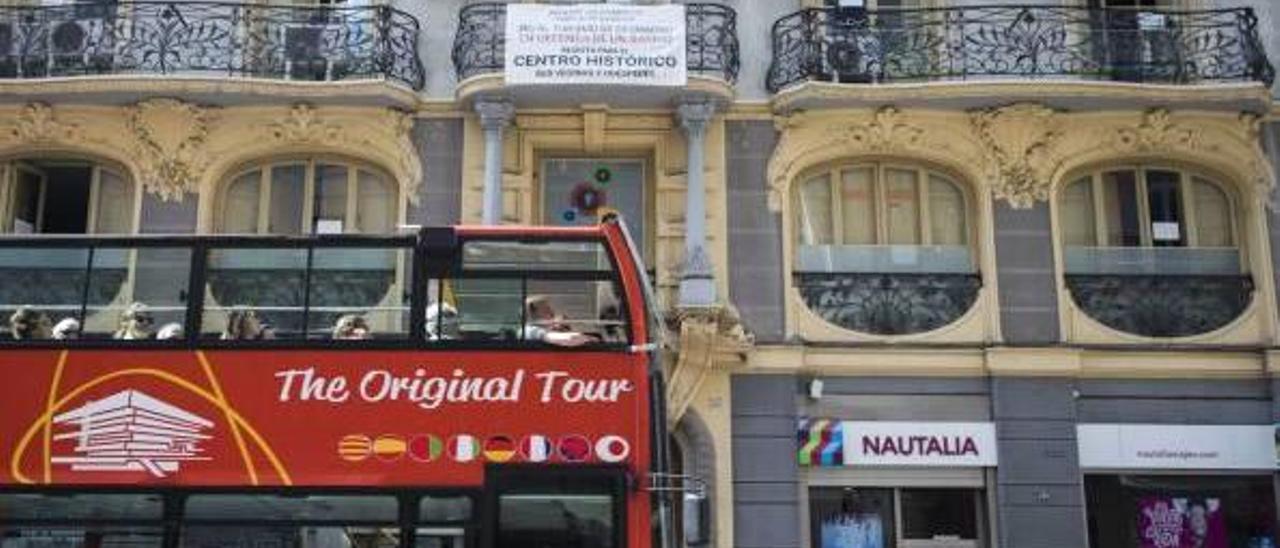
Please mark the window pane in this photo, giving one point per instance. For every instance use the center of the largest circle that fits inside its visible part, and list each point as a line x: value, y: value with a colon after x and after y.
x: 1213, y: 214
x: 487, y: 309
x: 535, y: 255
x: 354, y: 294
x: 946, y: 212
x: 108, y: 302
x: 1120, y: 205
x: 26, y: 203
x: 330, y: 199
x: 291, y: 508
x: 440, y: 537
x: 813, y: 212
x: 444, y: 509
x: 22, y: 506
x: 376, y: 205
x: 1078, y: 224
x: 92, y: 536
x: 257, y: 293
x: 584, y: 521
x: 902, y: 206
x: 241, y: 213
x: 580, y: 311
x: 282, y: 536
x: 1207, y: 511
x: 936, y: 513
x: 288, y: 186
x: 49, y: 282
x: 156, y: 303
x: 846, y: 516
x: 859, y: 203
x: 115, y: 204
x: 1164, y: 199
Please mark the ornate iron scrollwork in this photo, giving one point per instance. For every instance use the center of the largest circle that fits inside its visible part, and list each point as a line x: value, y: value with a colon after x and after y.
x: 249, y: 40
x: 888, y: 304
x: 711, y: 38
x: 1161, y: 306
x: 867, y: 46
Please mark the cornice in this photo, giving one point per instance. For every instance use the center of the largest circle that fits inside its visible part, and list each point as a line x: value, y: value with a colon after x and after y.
x: 114, y: 89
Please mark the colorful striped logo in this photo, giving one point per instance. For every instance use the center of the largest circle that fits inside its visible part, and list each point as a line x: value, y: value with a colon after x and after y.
x: 821, y: 442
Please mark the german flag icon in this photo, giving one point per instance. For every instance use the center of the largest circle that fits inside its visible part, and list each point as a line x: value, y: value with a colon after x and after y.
x: 499, y: 449
x: 355, y: 447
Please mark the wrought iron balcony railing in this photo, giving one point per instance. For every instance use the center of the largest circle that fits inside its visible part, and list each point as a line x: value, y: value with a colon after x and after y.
x: 867, y: 46
x: 213, y: 38
x: 1161, y: 305
x: 888, y: 304
x: 711, y: 35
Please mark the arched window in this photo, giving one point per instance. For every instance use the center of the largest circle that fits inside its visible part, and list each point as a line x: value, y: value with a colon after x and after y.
x: 1153, y: 250
x: 313, y: 196
x: 64, y: 196
x: 883, y: 248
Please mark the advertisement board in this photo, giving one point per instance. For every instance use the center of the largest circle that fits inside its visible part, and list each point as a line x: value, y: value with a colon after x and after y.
x: 595, y: 44
x: 321, y: 418
x: 1176, y: 446
x: 889, y: 443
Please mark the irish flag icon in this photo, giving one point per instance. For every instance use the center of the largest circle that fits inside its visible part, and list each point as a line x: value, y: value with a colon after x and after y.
x: 535, y: 448
x: 463, y: 448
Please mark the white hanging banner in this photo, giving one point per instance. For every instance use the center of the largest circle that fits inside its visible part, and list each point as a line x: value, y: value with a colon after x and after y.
x: 596, y: 44
x: 1176, y: 446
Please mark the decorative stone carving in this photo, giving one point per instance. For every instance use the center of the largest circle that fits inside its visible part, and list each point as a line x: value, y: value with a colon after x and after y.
x: 36, y: 123
x: 1018, y: 142
x: 886, y: 131
x: 169, y: 142
x: 302, y: 124
x: 707, y: 334
x: 1158, y: 133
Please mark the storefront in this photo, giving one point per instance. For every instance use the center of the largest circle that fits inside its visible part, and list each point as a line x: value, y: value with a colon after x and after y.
x: 1176, y: 486
x: 898, y: 484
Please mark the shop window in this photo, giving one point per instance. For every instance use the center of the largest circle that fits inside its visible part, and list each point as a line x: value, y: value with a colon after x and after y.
x: 1153, y: 251
x: 64, y: 197
x: 1208, y: 511
x: 883, y: 248
x: 896, y: 517
x: 308, y: 197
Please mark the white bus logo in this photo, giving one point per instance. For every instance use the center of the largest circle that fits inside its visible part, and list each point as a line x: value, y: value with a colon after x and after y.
x: 131, y: 431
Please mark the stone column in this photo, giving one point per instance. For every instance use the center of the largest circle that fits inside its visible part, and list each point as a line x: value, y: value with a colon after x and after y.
x: 697, y: 279
x: 495, y: 114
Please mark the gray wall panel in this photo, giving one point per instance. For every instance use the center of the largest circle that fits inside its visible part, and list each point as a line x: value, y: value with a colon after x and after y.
x: 901, y: 385
x: 1022, y: 398
x: 172, y: 217
x: 439, y: 144
x: 765, y: 473
x: 1024, y: 263
x: 755, y: 233
x: 1148, y: 388
x: 1042, y: 526
x: 766, y: 525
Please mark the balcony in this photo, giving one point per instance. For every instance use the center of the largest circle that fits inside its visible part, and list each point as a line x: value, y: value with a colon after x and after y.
x: 711, y: 55
x: 208, y: 40
x: 1008, y: 45
x: 888, y: 304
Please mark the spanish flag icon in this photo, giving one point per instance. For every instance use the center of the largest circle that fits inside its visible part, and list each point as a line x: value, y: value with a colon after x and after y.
x: 499, y: 449
x: 463, y: 448
x: 389, y: 447
x: 535, y: 448
x: 354, y: 447
x: 425, y: 447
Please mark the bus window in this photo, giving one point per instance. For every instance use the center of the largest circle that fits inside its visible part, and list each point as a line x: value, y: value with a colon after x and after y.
x: 535, y: 255
x: 44, y: 283
x: 529, y: 309
x: 137, y: 294
x: 254, y: 294
x: 365, y: 283
x: 314, y: 521
x: 556, y: 519
x: 81, y: 520
x: 442, y: 521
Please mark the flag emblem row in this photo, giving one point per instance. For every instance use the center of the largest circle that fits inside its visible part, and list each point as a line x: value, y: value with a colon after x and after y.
x: 500, y: 448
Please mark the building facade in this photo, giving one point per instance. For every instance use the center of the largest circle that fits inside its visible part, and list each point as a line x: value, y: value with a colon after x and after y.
x: 937, y: 274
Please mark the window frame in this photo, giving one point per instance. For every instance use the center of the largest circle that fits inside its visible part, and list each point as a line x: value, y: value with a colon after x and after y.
x: 11, y: 168
x: 834, y: 172
x: 896, y: 526
x: 310, y: 165
x: 1187, y: 179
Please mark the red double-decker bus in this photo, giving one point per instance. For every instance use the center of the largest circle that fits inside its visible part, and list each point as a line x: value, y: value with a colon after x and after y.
x: 460, y: 387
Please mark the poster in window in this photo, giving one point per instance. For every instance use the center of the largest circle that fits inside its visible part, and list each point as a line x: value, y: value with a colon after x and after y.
x: 1181, y: 522
x: 852, y: 530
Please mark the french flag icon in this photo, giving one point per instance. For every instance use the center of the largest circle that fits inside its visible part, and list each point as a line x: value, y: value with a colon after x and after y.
x: 536, y: 448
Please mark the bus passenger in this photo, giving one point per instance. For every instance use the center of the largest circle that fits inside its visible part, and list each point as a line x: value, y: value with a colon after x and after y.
x: 170, y: 332
x: 543, y: 324
x: 243, y: 324
x: 28, y: 324
x: 351, y: 327
x: 67, y: 329
x: 135, y: 323
x: 442, y: 322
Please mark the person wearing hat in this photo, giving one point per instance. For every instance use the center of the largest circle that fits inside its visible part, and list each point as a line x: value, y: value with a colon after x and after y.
x: 67, y: 329
x: 29, y: 324
x: 135, y: 323
x: 442, y: 322
x: 351, y: 327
